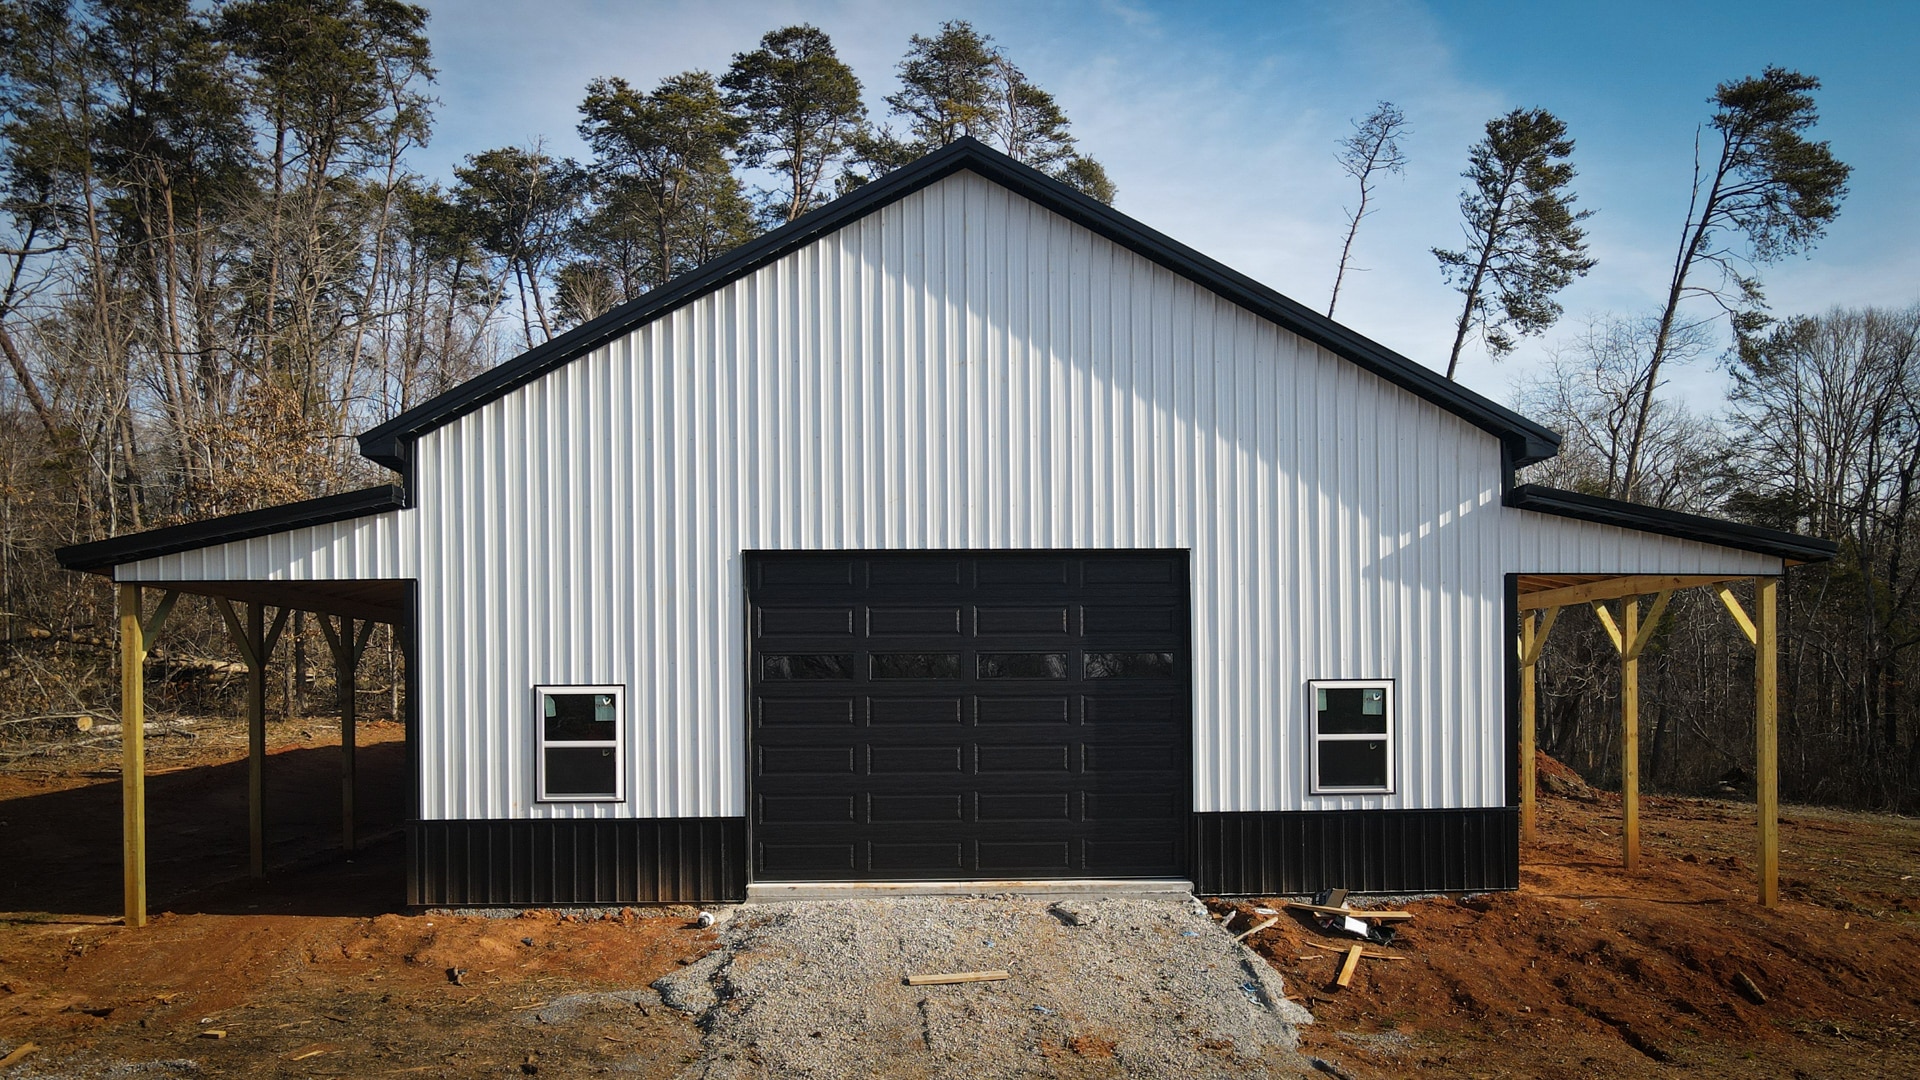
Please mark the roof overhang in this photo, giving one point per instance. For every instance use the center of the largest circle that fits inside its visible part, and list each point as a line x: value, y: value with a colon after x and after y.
x: 1790, y: 547
x: 101, y: 556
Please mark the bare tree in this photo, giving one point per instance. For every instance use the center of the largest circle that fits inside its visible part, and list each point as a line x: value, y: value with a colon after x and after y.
x: 1373, y: 148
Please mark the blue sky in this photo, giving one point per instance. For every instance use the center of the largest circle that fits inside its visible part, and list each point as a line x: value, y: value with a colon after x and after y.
x: 1218, y: 122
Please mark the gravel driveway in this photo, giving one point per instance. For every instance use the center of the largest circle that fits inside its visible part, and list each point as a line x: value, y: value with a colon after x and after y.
x: 1117, y: 987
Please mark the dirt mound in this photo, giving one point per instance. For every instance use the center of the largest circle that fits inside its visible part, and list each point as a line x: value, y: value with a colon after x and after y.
x: 1556, y: 778
x: 1587, y: 971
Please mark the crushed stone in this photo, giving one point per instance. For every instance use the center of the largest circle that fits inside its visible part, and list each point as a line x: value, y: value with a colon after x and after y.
x: 1109, y: 987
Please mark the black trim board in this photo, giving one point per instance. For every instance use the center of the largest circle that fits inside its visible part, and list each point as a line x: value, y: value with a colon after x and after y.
x: 567, y: 862
x: 1523, y: 440
x: 1626, y: 515
x: 1298, y: 853
x: 101, y: 556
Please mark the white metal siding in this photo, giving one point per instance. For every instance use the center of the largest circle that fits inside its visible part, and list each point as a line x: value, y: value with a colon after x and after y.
x: 375, y: 546
x: 963, y: 369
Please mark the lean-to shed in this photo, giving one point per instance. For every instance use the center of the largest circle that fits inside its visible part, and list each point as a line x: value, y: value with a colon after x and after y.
x: 963, y: 530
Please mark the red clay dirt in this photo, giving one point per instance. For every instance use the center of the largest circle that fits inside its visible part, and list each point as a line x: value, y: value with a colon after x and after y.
x: 1584, y: 972
x: 1589, y: 972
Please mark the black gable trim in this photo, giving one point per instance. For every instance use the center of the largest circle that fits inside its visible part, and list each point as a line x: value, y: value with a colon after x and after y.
x: 1522, y: 440
x: 1708, y: 530
x: 101, y: 556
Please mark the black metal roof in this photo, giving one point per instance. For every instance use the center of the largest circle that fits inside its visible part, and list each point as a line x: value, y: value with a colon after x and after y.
x: 1651, y: 519
x: 1525, y: 440
x: 101, y: 556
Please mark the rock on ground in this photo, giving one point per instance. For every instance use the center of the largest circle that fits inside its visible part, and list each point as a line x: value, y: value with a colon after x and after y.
x: 1117, y: 987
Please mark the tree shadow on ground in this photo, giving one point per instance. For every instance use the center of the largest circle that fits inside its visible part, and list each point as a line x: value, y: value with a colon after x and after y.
x: 61, y: 849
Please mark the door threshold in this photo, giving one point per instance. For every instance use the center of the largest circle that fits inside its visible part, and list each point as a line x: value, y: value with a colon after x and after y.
x: 761, y: 892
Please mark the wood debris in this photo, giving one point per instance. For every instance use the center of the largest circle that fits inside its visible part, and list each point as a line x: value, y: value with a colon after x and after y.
x: 1255, y: 928
x: 1347, y: 969
x: 1363, y: 956
x: 19, y: 1052
x: 1351, y: 913
x: 957, y: 977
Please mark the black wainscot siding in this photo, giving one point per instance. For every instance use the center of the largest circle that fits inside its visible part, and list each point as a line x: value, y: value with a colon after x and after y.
x: 1295, y: 853
x: 585, y: 862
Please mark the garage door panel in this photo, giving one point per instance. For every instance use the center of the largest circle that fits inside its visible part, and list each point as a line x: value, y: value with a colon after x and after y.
x: 931, y: 571
x: 1023, y: 570
x: 778, y: 712
x: 1022, y: 710
x: 942, y: 620
x: 913, y: 711
x: 801, y: 760
x: 1057, y: 806
x: 1054, y: 619
x: 895, y: 809
x: 805, y: 860
x: 990, y: 715
x: 807, y: 808
x: 1023, y: 855
x: 917, y: 856
x: 1054, y: 757
x: 914, y: 759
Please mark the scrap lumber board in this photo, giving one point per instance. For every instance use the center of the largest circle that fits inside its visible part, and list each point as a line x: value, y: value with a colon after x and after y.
x: 1378, y: 916
x: 1255, y: 928
x: 957, y: 977
x: 1346, y: 969
x: 1363, y: 956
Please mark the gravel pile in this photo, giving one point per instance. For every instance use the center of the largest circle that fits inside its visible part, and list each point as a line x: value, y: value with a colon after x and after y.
x: 1118, y: 987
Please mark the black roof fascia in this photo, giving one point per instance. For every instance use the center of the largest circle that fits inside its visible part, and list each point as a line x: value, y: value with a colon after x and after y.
x: 1525, y: 440
x: 1626, y: 515
x: 101, y: 556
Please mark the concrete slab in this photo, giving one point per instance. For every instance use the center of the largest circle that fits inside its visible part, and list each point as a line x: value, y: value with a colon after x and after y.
x: 762, y: 892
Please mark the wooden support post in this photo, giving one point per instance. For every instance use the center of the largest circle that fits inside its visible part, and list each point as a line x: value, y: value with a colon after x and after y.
x: 1766, y: 690
x: 1527, y: 721
x: 1630, y: 734
x: 1533, y: 636
x: 136, y: 637
x: 256, y: 742
x: 348, y: 647
x: 133, y: 759
x: 255, y: 640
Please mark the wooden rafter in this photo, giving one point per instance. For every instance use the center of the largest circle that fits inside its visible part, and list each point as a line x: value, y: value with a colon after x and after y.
x: 1614, y: 588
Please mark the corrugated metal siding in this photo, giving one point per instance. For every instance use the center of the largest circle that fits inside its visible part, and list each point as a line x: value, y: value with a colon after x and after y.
x: 561, y: 862
x: 965, y: 370
x: 1394, y: 851
x: 375, y: 546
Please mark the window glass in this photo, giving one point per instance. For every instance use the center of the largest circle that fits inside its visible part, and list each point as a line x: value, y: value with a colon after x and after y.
x: 915, y: 665
x: 1352, y: 735
x: 579, y: 717
x: 1129, y: 665
x: 579, y: 731
x: 1023, y: 665
x: 1353, y: 710
x: 807, y: 666
x: 1352, y: 763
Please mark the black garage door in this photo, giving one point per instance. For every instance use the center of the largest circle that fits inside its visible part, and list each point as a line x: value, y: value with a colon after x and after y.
x: 937, y: 716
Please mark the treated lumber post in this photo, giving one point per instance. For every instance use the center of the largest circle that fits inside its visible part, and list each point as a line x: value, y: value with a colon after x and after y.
x: 136, y: 637
x: 1528, y: 718
x: 348, y: 647
x: 1630, y: 733
x: 1766, y: 690
x: 256, y: 741
x: 133, y: 759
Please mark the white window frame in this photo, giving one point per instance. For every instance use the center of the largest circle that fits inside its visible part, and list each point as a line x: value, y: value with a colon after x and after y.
x: 541, y: 745
x: 1315, y: 738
